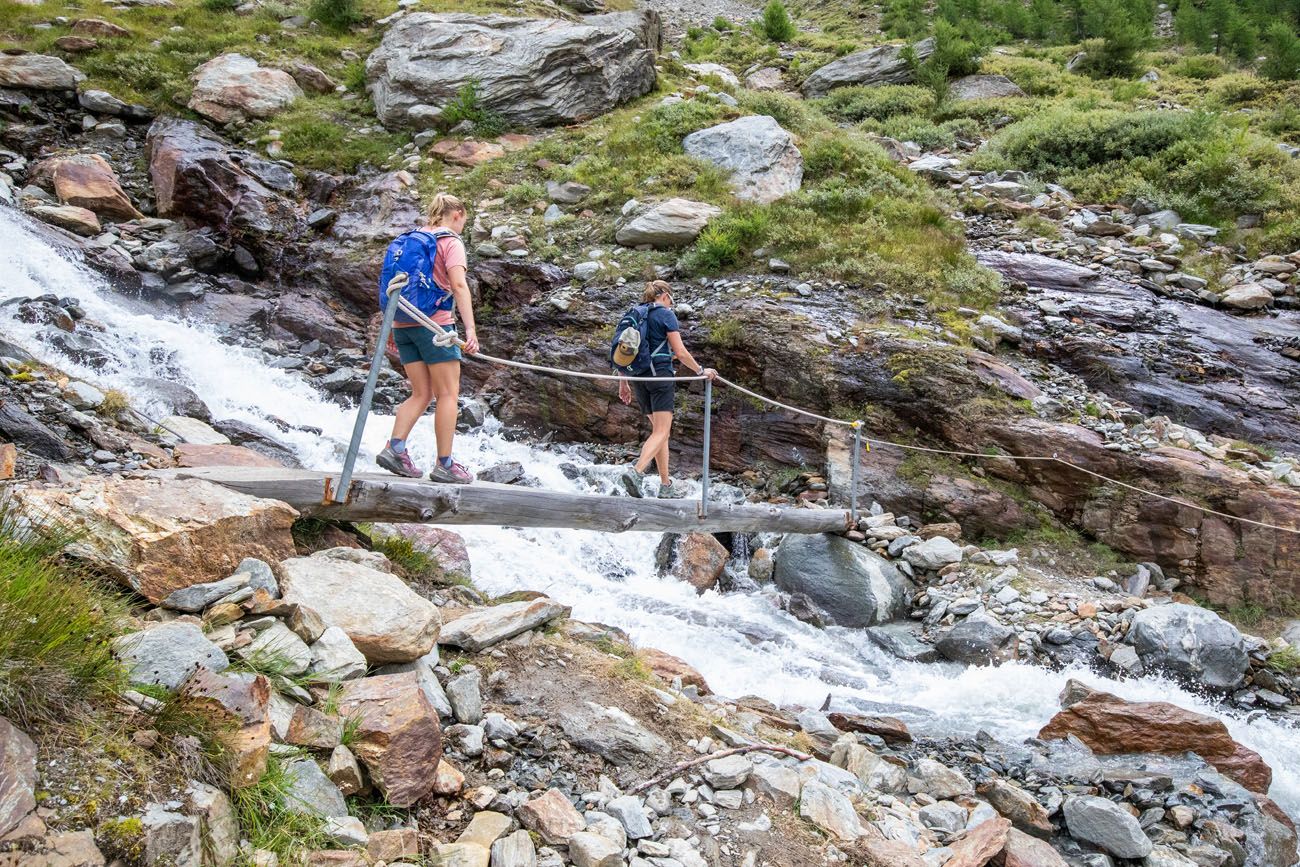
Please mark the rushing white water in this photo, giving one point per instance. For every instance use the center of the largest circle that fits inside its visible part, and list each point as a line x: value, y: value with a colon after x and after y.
x: 742, y: 643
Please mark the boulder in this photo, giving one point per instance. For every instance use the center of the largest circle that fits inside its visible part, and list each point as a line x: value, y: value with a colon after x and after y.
x: 983, y: 87
x: 980, y: 844
x: 239, y: 704
x: 158, y: 535
x: 88, y: 181
x: 37, y: 72
x: 481, y: 629
x: 674, y: 223
x: 713, y: 70
x: 194, y: 174
x: 20, y: 427
x: 884, y: 64
x: 446, y: 547
x: 530, y: 71
x: 1023, y: 850
x: 761, y: 156
x: 78, y: 220
x: 612, y: 734
x: 551, y: 816
x: 829, y: 810
x: 386, y: 620
x: 854, y: 585
x: 398, y: 736
x: 167, y: 654
x: 696, y: 558
x: 933, y: 554
x: 1110, y: 725
x: 311, y: 78
x: 1107, y: 826
x: 1247, y: 296
x: 232, y: 87
x: 1190, y: 643
x: 978, y: 640
x: 766, y: 78
x: 668, y: 668
x: 17, y: 777
x: 98, y: 27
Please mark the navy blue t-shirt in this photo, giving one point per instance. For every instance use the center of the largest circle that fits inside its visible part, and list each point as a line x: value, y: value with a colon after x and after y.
x: 660, y: 322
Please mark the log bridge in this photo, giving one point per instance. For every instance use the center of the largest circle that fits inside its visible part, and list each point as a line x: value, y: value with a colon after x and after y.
x: 383, y: 497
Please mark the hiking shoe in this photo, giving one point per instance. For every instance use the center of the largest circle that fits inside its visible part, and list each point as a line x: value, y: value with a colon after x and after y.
x: 671, y: 491
x: 632, y: 482
x: 401, y: 465
x: 456, y: 474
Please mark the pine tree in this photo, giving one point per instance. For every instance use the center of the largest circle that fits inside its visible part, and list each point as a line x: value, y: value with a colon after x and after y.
x: 1282, y: 48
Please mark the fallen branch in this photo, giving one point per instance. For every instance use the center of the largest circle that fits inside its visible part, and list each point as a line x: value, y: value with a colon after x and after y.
x: 734, y: 751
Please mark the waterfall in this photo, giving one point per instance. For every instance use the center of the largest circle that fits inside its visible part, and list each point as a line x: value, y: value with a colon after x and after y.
x: 741, y: 642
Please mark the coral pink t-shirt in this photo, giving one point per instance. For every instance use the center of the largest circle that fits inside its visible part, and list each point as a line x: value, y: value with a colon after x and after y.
x: 451, y: 254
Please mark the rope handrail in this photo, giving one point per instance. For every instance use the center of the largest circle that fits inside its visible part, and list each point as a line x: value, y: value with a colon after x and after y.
x: 443, y: 336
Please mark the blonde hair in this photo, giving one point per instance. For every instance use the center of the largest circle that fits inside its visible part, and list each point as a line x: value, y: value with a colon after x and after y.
x: 444, y: 205
x: 654, y: 289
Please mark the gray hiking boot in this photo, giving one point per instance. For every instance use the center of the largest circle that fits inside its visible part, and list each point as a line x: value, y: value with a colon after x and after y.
x: 456, y: 474
x: 632, y: 482
x: 401, y: 465
x: 671, y: 491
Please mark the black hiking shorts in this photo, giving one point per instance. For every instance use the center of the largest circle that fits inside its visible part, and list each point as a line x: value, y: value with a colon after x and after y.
x: 653, y: 396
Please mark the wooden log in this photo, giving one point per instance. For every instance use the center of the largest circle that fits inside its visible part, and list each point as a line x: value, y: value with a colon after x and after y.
x: 381, y: 497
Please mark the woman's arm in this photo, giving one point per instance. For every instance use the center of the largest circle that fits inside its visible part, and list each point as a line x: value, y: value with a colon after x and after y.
x: 679, y: 349
x: 465, y: 306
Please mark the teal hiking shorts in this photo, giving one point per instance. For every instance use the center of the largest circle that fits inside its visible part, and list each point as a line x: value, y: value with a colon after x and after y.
x: 416, y: 344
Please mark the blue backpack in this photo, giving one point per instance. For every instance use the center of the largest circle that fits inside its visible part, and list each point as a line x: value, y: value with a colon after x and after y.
x: 414, y: 253
x: 647, y: 357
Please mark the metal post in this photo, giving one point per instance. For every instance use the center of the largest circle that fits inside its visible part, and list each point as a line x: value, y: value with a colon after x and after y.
x: 708, y: 424
x: 853, y: 483
x: 367, y: 395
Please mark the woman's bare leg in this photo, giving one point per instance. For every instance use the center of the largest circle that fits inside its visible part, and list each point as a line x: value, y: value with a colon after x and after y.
x: 410, y: 410
x: 661, y: 427
x: 445, y: 377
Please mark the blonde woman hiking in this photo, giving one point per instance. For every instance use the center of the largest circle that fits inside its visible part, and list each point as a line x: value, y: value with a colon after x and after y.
x: 434, y: 260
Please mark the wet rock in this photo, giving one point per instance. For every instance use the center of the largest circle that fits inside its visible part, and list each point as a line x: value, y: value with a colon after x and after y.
x: 167, y: 654
x: 386, y: 620
x: 853, y: 584
x: 232, y: 87
x: 886, y: 728
x: 17, y: 777
x: 552, y: 817
x: 239, y: 705
x: 1190, y: 643
x: 761, y: 157
x: 696, y: 558
x: 398, y: 737
x: 1020, y: 807
x: 1110, y: 725
x: 486, y: 627
x: 540, y: 72
x: 159, y: 535
x: 674, y: 223
x: 1107, y: 826
x: 884, y: 64
x: 37, y: 72
x: 830, y: 811
x: 983, y: 87
x: 978, y: 640
x: 612, y: 734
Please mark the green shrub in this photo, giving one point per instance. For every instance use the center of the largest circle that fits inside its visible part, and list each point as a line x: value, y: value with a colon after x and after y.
x: 1237, y: 88
x: 722, y: 24
x: 855, y: 104
x: 791, y: 112
x: 1282, y: 51
x: 338, y: 16
x: 467, y: 105
x: 56, y: 624
x: 728, y: 239
x: 220, y: 5
x: 1201, y: 67
x: 777, y: 25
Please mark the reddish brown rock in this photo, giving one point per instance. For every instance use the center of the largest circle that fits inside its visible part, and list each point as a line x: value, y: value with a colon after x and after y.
x: 76, y: 44
x: 1109, y: 725
x: 446, y: 547
x: 310, y: 728
x: 98, y: 27
x: 392, y: 846
x: 981, y: 844
x: 398, y: 737
x: 232, y: 87
x: 88, y: 181
x: 552, y: 816
x: 1023, y: 850
x: 668, y: 667
x: 1014, y: 803
x: 469, y: 153
x: 8, y: 460
x: 191, y: 455
x: 887, y: 727
x: 949, y: 530
x: 450, y: 781
x: 239, y: 704
x: 696, y: 558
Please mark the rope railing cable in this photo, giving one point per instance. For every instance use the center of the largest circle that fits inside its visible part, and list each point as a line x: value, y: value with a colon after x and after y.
x: 438, y: 330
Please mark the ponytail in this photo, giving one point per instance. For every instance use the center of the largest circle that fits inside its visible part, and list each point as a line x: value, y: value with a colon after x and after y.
x: 654, y: 289
x: 443, y: 206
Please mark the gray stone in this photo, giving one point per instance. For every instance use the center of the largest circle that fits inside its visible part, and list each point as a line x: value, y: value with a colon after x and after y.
x: 716, y: 70
x: 729, y: 772
x: 829, y: 810
x: 218, y: 827
x: 514, y: 850
x: 82, y: 395
x: 761, y: 156
x: 629, y: 810
x: 171, y: 837
x: 611, y: 733
x: 1190, y: 643
x: 674, y: 223
x: 17, y: 776
x: 978, y: 640
x: 345, y: 831
x: 539, y: 72
x: 884, y: 64
x: 983, y: 87
x: 38, y: 72
x: 592, y: 850
x: 311, y: 792
x: 900, y: 641
x: 944, y: 816
x: 465, y: 697
x: 854, y: 585
x: 279, y: 645
x: 1163, y: 856
x: 479, y: 630
x: 933, y: 554
x: 776, y: 782
x: 334, y: 657
x: 197, y: 597
x: 101, y: 102
x: 167, y: 654
x: 1107, y: 826
x: 942, y: 782
x: 567, y: 192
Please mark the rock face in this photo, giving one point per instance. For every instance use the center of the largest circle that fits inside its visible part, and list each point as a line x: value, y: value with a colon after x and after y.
x: 1107, y: 826
x: 17, y: 776
x: 674, y: 223
x: 482, y: 629
x: 533, y: 72
x: 233, y: 87
x: 386, y: 620
x: 854, y: 585
x: 159, y: 535
x: 984, y: 87
x: 37, y: 72
x: 1111, y: 725
x: 398, y: 736
x: 884, y: 64
x: 88, y: 181
x: 1190, y: 643
x: 761, y: 156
